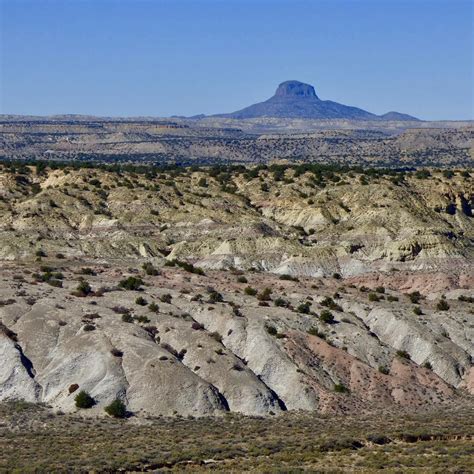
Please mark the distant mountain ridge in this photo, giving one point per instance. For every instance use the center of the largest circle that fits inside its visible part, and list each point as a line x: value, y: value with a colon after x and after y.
x: 295, y: 99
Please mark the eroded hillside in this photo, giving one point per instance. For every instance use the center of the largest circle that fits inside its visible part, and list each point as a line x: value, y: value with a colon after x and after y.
x: 302, y: 220
x: 252, y: 290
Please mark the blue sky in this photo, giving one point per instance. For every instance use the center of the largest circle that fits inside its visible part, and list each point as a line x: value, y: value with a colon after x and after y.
x: 184, y: 57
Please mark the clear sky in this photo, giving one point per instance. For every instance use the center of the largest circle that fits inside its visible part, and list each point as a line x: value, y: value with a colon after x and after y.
x: 184, y: 57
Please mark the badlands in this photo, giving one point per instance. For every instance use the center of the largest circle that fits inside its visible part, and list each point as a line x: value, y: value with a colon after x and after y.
x: 258, y: 290
x: 270, y: 318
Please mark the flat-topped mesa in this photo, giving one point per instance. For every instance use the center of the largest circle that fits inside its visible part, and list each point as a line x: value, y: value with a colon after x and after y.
x: 295, y: 89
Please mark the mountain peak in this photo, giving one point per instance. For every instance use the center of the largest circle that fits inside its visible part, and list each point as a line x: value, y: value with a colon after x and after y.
x: 295, y: 89
x: 297, y: 100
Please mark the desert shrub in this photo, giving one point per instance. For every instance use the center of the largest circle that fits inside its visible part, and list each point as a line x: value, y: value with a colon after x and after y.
x: 373, y: 297
x: 331, y: 304
x: 315, y: 332
x: 149, y: 269
x: 417, y: 310
x: 116, y: 352
x: 120, y: 310
x: 216, y: 336
x: 326, y: 317
x: 215, y: 297
x: 84, y: 400
x: 442, y: 305
x: 403, y: 354
x: 87, y: 271
x: 72, y: 388
x: 427, y: 365
x: 89, y: 327
x: 242, y: 279
x: 141, y: 301
x: 166, y: 298
x: 116, y: 409
x: 466, y: 299
x: 392, y: 298
x: 337, y: 276
x: 127, y: 318
x: 40, y: 253
x: 131, y: 283
x: 250, y: 291
x: 280, y: 302
x: 197, y: 326
x: 55, y: 283
x: 141, y: 319
x: 304, y: 308
x: 189, y: 267
x: 415, y: 297
x: 384, y: 370
x: 271, y: 330
x: 288, y: 277
x: 380, y: 289
x: 153, y: 307
x: 264, y: 295
x: 422, y: 174
x: 83, y: 289
x: 340, y: 388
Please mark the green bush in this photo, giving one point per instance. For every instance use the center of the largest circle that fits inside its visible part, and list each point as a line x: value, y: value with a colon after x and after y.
x: 331, y: 304
x: 288, y: 277
x: 314, y: 332
x: 340, y: 388
x: 127, y: 318
x: 304, y: 308
x: 403, y: 354
x: 250, y: 291
x: 384, y: 370
x: 166, y: 298
x: 271, y: 330
x: 242, y: 279
x: 141, y: 301
x: 116, y: 409
x: 326, y: 317
x: 83, y: 289
x: 373, y: 297
x: 415, y: 297
x: 264, y: 295
x: 84, y: 400
x: 417, y: 310
x: 442, y: 305
x: 280, y: 302
x: 149, y: 269
x: 131, y: 283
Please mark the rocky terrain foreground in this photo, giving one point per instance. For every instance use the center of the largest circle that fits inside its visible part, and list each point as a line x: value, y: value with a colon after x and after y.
x: 259, y: 290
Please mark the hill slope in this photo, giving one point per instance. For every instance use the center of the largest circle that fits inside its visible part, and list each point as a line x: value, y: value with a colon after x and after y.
x: 294, y: 99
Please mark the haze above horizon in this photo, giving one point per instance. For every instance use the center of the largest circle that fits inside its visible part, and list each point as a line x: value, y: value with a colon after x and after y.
x: 163, y: 58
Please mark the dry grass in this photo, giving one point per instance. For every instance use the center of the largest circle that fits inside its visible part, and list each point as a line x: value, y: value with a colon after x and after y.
x: 34, y: 439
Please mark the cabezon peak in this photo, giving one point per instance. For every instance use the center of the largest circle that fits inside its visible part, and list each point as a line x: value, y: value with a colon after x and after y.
x: 295, y: 89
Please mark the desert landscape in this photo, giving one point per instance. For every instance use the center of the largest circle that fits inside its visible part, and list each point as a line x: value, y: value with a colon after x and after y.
x: 236, y: 236
x: 261, y: 291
